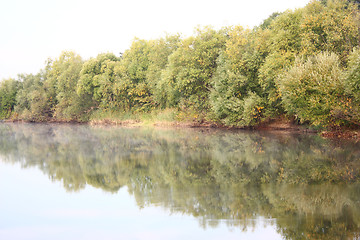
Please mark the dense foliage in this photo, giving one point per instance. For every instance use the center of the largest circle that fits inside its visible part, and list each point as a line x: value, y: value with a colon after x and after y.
x: 302, y: 63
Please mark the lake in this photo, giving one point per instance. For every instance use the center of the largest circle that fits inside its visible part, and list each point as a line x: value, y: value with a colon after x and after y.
x: 62, y: 181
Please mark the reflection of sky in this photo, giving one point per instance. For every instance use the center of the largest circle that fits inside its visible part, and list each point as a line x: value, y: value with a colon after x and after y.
x: 33, y: 207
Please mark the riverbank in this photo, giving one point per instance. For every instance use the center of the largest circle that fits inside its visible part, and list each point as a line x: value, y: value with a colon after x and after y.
x: 280, y: 125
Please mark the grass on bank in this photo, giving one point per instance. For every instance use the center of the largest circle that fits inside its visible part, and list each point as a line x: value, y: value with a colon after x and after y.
x: 134, y: 118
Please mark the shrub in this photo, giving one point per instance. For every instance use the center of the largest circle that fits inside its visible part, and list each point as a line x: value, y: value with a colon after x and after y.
x: 313, y: 90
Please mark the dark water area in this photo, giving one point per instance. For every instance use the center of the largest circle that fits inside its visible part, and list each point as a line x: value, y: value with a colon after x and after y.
x: 74, y: 181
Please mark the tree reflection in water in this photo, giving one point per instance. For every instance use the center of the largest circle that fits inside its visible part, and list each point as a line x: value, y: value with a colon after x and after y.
x: 307, y: 186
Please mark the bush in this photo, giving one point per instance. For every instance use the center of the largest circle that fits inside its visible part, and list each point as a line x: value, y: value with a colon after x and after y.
x: 313, y: 90
x: 253, y: 107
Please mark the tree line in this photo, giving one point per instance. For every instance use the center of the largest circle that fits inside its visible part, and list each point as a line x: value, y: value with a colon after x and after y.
x: 303, y: 64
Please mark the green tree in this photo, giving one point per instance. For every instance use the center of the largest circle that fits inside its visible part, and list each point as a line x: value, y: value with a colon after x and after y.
x: 27, y: 84
x: 267, y: 22
x: 352, y: 87
x: 32, y: 100
x: 131, y: 88
x: 159, y: 52
x: 8, y: 90
x: 284, y: 44
x: 235, y: 98
x: 333, y: 27
x: 191, y: 67
x: 97, y: 77
x: 64, y: 73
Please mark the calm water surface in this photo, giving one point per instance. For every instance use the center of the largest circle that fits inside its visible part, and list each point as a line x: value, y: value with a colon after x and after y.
x: 82, y: 182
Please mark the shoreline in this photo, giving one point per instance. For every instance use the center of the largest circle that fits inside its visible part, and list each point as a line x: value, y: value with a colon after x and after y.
x: 275, y: 126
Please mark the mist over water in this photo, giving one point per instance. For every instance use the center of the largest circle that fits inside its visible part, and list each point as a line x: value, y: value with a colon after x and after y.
x: 231, y: 183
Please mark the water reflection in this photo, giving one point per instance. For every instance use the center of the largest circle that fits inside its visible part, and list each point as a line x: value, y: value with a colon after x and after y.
x: 306, y: 186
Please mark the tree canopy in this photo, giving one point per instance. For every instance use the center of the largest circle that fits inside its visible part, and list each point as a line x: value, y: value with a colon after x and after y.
x: 301, y: 64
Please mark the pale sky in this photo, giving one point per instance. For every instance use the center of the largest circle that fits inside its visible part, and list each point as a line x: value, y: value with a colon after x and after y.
x: 34, y: 30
